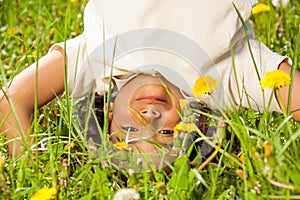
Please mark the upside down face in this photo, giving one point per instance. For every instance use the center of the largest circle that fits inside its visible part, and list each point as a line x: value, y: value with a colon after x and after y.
x: 144, y: 113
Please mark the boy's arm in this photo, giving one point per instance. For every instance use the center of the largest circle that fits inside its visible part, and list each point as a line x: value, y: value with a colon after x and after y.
x: 295, y: 96
x: 22, y: 93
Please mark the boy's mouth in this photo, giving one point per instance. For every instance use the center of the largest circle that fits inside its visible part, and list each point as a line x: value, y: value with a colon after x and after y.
x: 151, y: 99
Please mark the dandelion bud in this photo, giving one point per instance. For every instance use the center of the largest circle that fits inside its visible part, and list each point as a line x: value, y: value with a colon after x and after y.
x: 243, y: 158
x: 23, y: 49
x: 240, y: 173
x: 267, y: 148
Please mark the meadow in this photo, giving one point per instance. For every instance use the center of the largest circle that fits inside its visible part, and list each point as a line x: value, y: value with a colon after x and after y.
x: 256, y: 155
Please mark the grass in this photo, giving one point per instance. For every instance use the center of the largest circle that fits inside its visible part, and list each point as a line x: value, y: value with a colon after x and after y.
x: 265, y: 166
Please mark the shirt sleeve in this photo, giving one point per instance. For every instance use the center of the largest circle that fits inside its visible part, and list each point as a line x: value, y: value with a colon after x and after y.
x: 75, y: 53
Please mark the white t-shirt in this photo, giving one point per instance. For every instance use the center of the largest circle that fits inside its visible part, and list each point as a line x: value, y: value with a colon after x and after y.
x: 182, y: 40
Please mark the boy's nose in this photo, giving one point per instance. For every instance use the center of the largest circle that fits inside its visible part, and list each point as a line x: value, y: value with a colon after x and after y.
x: 151, y: 113
x: 149, y: 116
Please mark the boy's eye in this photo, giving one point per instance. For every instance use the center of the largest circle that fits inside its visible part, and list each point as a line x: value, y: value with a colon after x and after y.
x: 166, y: 132
x: 129, y: 129
x: 133, y: 129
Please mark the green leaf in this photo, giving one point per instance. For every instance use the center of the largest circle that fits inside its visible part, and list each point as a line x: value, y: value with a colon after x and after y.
x: 179, y: 182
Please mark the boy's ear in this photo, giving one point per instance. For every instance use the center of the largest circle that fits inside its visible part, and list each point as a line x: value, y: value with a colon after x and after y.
x: 110, y: 114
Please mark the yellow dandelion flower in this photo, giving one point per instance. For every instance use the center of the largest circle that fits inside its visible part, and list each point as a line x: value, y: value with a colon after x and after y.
x: 260, y: 7
x: 243, y: 158
x: 69, y: 146
x: 205, y: 85
x: 11, y: 30
x: 45, y: 194
x: 75, y: 2
x: 275, y: 79
x: 2, y: 161
x: 267, y: 148
x: 160, y: 185
x: 34, y: 52
x: 185, y: 127
x: 60, y: 13
x: 121, y: 145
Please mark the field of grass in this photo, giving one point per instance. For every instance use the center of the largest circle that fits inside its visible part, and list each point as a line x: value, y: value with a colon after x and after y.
x: 260, y: 159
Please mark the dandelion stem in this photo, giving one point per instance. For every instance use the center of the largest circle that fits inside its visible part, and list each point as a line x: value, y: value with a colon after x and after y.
x: 282, y: 185
x: 206, y: 162
x: 282, y: 197
x: 218, y: 149
x: 278, y: 94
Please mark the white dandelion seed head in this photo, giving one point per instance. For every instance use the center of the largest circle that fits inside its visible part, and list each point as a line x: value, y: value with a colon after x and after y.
x: 127, y: 194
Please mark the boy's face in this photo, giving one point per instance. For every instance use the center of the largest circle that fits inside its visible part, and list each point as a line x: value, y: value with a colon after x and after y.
x: 145, y: 109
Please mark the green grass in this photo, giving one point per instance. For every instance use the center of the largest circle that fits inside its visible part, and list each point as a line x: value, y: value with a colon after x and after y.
x: 29, y: 28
